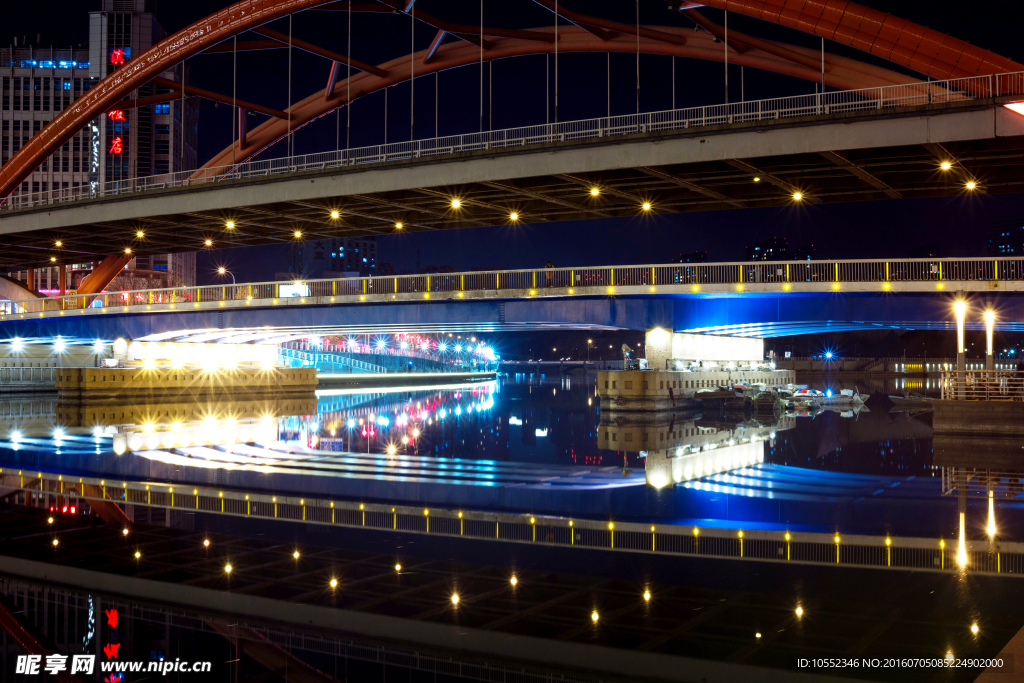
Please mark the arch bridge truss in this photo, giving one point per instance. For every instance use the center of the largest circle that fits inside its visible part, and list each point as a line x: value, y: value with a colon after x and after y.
x: 904, y: 43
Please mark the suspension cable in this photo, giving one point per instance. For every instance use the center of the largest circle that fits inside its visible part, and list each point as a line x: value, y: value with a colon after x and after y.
x: 290, y: 147
x: 412, y: 75
x: 234, y: 84
x: 348, y: 82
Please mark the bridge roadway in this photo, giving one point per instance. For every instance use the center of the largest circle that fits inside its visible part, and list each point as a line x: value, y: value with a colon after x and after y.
x: 742, y: 299
x: 852, y: 145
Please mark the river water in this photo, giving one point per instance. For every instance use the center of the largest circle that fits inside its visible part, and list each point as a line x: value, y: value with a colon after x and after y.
x: 528, y: 444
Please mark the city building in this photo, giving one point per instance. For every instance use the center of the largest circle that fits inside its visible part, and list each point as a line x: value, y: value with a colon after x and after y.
x: 804, y: 253
x: 693, y: 257
x: 36, y: 84
x: 338, y: 255
x: 775, y: 249
x: 1006, y: 238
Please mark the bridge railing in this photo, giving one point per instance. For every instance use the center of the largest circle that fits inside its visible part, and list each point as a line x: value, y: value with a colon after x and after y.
x: 982, y: 385
x: 772, y: 109
x: 602, y: 279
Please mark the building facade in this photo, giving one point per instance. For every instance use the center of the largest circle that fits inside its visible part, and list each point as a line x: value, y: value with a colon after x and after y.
x: 338, y: 255
x: 36, y: 84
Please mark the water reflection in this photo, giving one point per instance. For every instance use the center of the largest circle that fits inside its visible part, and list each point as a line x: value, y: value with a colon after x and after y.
x: 534, y: 443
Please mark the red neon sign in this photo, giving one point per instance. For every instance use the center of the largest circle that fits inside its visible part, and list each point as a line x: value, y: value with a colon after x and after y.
x: 111, y: 618
x: 116, y: 146
x: 110, y: 650
x: 117, y: 57
x: 115, y: 115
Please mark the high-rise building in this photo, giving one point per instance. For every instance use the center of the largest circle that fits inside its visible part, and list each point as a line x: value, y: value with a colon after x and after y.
x: 1006, y: 238
x: 151, y: 140
x: 337, y: 255
x: 804, y: 253
x: 693, y: 257
x: 36, y: 84
x: 775, y: 249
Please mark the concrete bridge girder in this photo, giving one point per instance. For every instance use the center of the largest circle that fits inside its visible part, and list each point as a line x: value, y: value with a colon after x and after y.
x: 760, y: 310
x: 949, y: 124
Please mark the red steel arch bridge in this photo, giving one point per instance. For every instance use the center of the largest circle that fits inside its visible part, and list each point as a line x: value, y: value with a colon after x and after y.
x: 879, y: 134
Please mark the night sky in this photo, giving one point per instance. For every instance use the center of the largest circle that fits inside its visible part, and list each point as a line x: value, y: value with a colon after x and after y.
x: 950, y: 226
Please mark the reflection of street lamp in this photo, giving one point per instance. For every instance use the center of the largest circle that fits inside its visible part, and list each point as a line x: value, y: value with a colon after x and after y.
x: 222, y: 270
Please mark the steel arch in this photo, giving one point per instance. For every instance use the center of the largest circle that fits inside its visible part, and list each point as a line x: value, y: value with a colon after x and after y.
x: 844, y: 73
x: 902, y: 42
x: 172, y: 50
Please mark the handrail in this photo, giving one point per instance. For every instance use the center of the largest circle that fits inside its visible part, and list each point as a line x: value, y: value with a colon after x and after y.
x: 737, y: 276
x: 772, y: 109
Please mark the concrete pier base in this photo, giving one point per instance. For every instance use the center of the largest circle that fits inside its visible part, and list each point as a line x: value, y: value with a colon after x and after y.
x: 978, y: 418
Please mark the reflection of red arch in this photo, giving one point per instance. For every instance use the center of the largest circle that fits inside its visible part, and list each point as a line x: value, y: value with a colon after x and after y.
x: 900, y: 41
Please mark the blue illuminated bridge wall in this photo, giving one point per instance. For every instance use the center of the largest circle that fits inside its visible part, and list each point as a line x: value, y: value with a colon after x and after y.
x: 743, y: 314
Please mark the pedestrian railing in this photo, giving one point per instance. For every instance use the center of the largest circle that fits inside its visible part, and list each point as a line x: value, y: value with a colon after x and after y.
x: 737, y: 277
x: 982, y: 385
x: 927, y: 554
x: 314, y: 359
x: 14, y: 378
x: 773, y: 109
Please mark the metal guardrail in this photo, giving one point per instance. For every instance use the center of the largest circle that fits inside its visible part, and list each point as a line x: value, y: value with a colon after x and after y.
x: 982, y: 385
x: 922, y: 554
x: 26, y: 378
x: 311, y: 358
x: 735, y: 276
x: 773, y: 109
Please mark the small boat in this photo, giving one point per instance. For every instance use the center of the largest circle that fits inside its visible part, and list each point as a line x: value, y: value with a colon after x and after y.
x: 911, y: 402
x: 845, y: 397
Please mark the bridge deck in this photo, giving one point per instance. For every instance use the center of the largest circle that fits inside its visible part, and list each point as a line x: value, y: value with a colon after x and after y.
x: 872, y: 145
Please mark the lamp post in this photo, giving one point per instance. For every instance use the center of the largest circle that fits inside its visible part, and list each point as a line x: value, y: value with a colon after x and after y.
x: 222, y: 271
x: 590, y: 343
x: 990, y: 363
x: 961, y: 351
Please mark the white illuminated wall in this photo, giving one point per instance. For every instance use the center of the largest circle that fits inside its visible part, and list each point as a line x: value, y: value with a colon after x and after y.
x: 662, y: 345
x: 664, y: 468
x: 196, y: 353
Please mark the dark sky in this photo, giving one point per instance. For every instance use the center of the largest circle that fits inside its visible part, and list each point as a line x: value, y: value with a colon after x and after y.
x: 954, y: 226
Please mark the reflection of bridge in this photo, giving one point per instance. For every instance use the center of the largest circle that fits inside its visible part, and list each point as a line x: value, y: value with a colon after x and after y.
x: 948, y: 135
x: 743, y: 299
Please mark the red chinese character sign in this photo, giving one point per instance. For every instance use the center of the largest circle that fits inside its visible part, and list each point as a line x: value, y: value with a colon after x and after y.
x: 111, y: 618
x: 115, y: 115
x: 117, y: 57
x: 116, y: 146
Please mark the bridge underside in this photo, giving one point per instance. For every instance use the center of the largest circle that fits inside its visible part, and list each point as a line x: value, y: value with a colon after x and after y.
x: 834, y: 158
x: 748, y: 315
